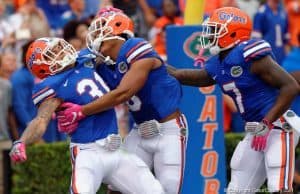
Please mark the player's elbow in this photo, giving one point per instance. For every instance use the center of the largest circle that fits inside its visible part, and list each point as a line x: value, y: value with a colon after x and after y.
x: 293, y: 88
x: 297, y: 88
x: 124, y: 96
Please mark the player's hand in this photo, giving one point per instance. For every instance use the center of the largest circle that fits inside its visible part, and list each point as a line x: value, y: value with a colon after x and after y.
x: 71, y: 113
x: 18, y: 152
x: 259, y: 128
x: 113, y: 142
x: 259, y: 143
x: 69, y: 129
x: 261, y: 131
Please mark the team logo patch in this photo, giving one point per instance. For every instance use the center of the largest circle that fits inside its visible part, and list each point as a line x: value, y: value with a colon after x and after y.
x: 236, y: 71
x: 33, y: 56
x: 290, y: 114
x: 122, y: 67
x: 89, y: 64
x: 31, y: 59
x: 183, y: 131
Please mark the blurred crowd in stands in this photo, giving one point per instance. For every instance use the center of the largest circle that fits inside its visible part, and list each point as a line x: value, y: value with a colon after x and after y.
x: 277, y: 21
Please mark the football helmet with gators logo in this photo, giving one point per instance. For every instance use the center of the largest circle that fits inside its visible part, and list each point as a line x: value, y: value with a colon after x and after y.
x: 226, y: 27
x: 110, y: 23
x: 48, y: 56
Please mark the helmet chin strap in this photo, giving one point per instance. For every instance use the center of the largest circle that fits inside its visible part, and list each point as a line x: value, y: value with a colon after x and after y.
x: 96, y: 47
x: 214, y: 50
x: 108, y: 61
x: 96, y: 44
x: 68, y: 60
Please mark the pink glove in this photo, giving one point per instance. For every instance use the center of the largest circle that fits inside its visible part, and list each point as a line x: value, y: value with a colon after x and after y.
x: 259, y: 143
x: 69, y: 117
x: 69, y: 129
x: 261, y: 131
x: 18, y: 152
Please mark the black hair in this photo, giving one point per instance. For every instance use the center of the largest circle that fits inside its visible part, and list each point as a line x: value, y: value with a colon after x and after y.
x: 69, y: 30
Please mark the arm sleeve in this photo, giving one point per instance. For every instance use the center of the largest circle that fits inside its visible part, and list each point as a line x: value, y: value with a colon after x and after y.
x: 256, y: 49
x: 138, y: 49
x: 42, y: 92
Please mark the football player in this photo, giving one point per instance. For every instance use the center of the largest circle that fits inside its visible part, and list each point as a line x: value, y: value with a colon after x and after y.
x: 271, y: 24
x: 244, y: 69
x: 95, y: 144
x: 136, y: 74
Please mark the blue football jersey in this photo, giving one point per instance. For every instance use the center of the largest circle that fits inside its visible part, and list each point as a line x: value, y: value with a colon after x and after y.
x: 80, y: 85
x: 274, y: 29
x: 161, y: 94
x: 253, y: 97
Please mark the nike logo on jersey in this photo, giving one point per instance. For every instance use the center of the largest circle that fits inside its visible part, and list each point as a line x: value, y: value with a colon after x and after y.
x: 66, y: 83
x: 89, y: 64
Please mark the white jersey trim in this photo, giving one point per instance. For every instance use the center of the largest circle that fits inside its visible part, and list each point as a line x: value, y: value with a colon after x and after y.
x: 138, y: 51
x: 256, y: 48
x: 42, y: 96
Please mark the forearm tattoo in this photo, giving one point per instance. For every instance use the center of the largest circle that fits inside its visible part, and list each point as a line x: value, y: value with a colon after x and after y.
x: 47, y: 109
x: 37, y: 127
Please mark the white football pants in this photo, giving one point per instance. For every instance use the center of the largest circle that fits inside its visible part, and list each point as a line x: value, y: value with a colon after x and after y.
x: 164, y: 153
x: 92, y: 165
x: 250, y: 168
